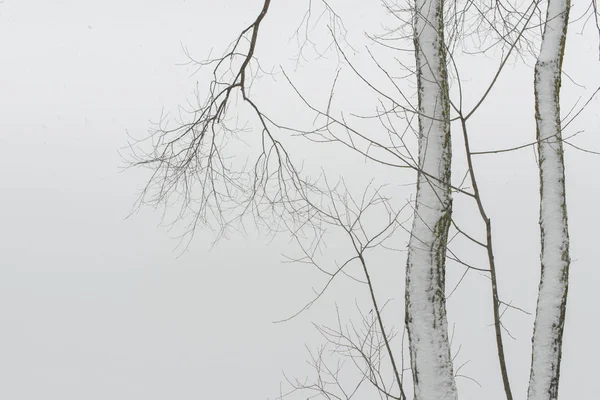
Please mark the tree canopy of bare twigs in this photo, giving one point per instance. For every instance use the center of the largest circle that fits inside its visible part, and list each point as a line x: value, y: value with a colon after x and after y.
x: 229, y: 158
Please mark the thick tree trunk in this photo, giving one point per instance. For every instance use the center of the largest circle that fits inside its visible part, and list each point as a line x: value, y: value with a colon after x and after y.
x: 425, y: 274
x: 550, y: 314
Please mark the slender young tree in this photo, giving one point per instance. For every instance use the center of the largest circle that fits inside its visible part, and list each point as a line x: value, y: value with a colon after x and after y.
x: 552, y: 297
x: 426, y: 320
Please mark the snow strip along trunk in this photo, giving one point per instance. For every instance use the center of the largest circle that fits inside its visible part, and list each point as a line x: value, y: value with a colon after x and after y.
x: 425, y: 273
x: 550, y: 313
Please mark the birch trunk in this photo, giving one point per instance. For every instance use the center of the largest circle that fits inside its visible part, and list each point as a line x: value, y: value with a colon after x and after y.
x: 425, y: 273
x: 550, y: 313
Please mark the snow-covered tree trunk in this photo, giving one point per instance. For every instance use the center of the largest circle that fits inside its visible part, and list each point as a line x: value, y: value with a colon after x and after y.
x: 425, y: 273
x: 550, y: 314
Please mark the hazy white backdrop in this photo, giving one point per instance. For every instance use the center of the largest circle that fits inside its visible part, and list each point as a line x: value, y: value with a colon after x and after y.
x: 94, y: 306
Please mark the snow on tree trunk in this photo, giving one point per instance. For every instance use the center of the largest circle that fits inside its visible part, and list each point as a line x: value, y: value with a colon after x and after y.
x: 550, y: 314
x: 425, y: 273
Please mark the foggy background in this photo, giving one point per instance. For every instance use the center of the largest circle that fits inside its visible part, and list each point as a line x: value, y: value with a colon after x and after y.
x: 96, y: 306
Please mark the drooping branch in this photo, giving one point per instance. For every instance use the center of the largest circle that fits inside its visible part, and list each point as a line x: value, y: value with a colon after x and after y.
x: 202, y: 165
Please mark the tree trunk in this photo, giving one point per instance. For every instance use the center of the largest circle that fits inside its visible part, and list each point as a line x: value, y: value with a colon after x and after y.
x: 425, y: 273
x: 550, y: 313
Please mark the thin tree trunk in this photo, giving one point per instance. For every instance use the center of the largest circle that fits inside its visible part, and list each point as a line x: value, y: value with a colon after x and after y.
x: 425, y: 273
x: 550, y: 314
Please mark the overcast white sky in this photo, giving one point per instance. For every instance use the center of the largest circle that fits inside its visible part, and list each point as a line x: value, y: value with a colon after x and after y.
x: 96, y: 306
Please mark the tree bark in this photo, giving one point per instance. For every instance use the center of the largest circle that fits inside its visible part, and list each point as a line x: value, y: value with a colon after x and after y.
x: 555, y: 260
x: 425, y: 273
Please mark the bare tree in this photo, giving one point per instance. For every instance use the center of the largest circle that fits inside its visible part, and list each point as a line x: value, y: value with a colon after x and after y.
x: 426, y: 321
x: 191, y: 166
x: 554, y: 280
